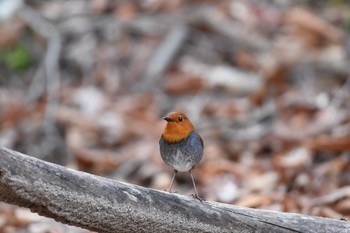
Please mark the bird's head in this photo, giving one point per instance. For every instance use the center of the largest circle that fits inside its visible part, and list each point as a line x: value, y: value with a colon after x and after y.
x: 178, y: 127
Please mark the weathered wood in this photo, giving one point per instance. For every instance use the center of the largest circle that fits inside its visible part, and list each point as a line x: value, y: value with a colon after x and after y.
x: 104, y: 205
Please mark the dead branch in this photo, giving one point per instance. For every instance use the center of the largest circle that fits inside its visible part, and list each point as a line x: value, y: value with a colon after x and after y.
x: 104, y: 205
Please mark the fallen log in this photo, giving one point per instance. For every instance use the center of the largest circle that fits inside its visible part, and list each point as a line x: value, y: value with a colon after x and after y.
x: 104, y: 205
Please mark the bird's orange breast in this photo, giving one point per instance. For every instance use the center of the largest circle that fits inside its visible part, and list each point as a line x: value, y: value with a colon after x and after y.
x: 174, y: 132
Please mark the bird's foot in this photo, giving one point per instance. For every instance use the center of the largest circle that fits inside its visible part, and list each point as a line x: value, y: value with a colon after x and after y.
x: 198, y: 197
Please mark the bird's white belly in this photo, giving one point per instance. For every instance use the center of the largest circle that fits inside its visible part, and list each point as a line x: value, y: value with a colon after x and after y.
x: 182, y: 163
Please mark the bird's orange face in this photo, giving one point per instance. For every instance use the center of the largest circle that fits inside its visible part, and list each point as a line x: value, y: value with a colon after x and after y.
x: 178, y: 127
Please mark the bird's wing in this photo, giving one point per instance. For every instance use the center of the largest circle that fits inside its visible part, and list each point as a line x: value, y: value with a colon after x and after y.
x: 201, y: 139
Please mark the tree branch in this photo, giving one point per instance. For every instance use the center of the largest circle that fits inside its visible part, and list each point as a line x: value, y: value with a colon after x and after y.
x: 104, y: 205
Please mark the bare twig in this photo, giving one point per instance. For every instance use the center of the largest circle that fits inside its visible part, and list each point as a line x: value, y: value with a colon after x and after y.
x: 51, y: 59
x: 333, y: 197
x: 49, y: 71
x: 164, y: 54
x: 215, y: 20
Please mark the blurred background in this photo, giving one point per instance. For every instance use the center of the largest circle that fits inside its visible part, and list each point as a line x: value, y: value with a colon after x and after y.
x: 85, y: 84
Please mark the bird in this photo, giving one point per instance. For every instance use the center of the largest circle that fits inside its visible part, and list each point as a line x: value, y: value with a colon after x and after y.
x: 181, y: 147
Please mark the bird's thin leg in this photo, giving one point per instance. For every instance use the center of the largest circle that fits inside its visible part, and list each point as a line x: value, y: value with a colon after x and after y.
x: 172, y: 180
x: 195, y: 189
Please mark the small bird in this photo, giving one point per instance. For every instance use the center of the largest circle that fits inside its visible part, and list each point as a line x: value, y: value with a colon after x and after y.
x: 181, y: 147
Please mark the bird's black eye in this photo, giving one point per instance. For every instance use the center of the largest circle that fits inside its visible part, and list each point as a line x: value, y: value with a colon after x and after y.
x: 180, y: 119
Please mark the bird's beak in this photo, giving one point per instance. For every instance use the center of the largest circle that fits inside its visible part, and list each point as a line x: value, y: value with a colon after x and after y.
x: 168, y: 119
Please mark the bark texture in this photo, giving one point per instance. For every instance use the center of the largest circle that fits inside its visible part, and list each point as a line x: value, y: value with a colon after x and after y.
x: 104, y: 205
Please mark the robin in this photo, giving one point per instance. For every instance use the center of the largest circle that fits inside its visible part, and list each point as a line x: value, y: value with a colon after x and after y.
x: 181, y: 147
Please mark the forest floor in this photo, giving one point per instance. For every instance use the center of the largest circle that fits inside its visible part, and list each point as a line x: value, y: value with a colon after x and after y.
x: 85, y: 84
